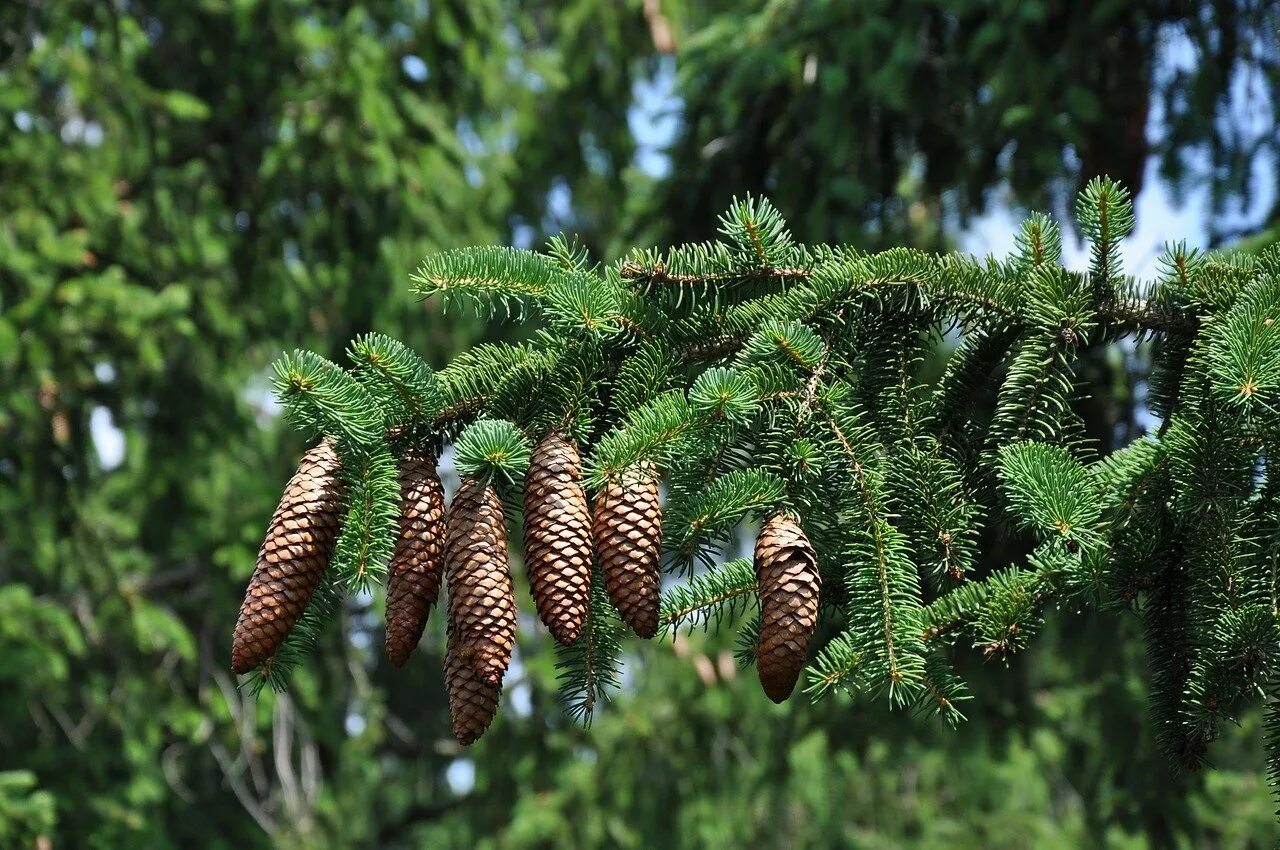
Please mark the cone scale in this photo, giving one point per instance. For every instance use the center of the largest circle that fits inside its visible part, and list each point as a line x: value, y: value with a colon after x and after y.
x: 417, y: 566
x: 473, y: 703
x: 292, y: 560
x: 788, y: 583
x: 627, y: 528
x: 557, y: 537
x: 482, y: 607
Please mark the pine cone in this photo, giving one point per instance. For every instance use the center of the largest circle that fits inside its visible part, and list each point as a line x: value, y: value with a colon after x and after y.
x: 472, y: 702
x: 482, y: 605
x: 788, y: 583
x: 557, y: 537
x: 628, y: 535
x: 416, y: 568
x: 292, y: 560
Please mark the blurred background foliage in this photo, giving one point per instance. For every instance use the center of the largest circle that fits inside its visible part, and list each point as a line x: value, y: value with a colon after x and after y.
x: 189, y: 186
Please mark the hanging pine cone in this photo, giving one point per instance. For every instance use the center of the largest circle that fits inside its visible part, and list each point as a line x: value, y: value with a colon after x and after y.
x: 788, y: 581
x: 413, y: 577
x: 628, y: 534
x: 557, y: 537
x: 472, y: 702
x: 482, y: 605
x: 292, y: 560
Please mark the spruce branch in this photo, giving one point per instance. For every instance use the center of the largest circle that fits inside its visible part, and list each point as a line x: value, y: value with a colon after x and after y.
x: 1271, y: 727
x: 881, y: 582
x: 365, y: 544
x: 836, y: 665
x: 710, y: 597
x: 747, y: 643
x: 1039, y: 242
x: 402, y: 383
x: 1051, y: 493
x: 755, y: 372
x: 933, y: 511
x: 320, y: 397
x: 493, y: 448
x: 590, y: 667
x: 709, y: 516
x: 1105, y: 212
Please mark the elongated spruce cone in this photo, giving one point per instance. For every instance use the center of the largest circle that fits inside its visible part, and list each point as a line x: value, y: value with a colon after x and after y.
x: 557, y: 537
x: 788, y: 582
x: 472, y: 701
x: 628, y: 534
x: 417, y: 566
x: 292, y: 560
x: 482, y: 605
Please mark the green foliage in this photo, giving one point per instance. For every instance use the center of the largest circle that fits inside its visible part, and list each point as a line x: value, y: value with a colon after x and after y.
x: 934, y: 512
x: 590, y: 667
x: 823, y: 412
x: 710, y: 597
x: 1039, y: 241
x: 493, y: 278
x: 493, y: 448
x: 1105, y: 211
x: 758, y: 234
x: 649, y: 433
x: 401, y: 382
x: 709, y: 517
x: 790, y: 343
x: 371, y: 523
x: 1051, y: 493
x: 172, y: 223
x: 1244, y: 366
x: 26, y: 813
x: 320, y: 397
x: 1009, y: 615
x: 721, y: 393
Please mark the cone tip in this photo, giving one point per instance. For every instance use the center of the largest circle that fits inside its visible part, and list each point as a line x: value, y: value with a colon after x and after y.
x: 646, y: 630
x: 243, y: 658
x: 241, y: 662
x: 566, y: 635
x: 777, y: 691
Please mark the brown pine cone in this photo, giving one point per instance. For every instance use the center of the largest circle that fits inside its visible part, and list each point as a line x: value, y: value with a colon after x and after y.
x: 482, y: 605
x: 417, y: 566
x: 557, y: 537
x: 292, y: 560
x: 788, y: 582
x: 472, y: 702
x: 628, y: 533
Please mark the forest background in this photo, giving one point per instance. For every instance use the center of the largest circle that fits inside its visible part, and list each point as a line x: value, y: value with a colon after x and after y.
x: 187, y: 188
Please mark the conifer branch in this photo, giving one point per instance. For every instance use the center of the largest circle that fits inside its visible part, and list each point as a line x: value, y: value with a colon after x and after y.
x: 756, y: 373
x: 589, y: 668
x: 706, y: 599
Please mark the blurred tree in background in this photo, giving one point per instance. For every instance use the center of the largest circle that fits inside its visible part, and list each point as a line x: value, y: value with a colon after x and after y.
x: 882, y: 122
x: 189, y: 187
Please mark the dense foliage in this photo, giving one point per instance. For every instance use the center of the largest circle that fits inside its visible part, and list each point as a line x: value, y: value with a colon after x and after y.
x: 875, y: 123
x: 186, y: 185
x: 761, y: 375
x: 190, y: 187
